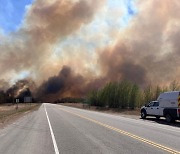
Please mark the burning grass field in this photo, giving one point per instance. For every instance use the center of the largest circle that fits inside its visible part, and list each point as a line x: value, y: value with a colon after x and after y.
x: 10, y: 113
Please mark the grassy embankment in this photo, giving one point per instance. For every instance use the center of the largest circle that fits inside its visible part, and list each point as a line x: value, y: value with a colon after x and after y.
x: 104, y: 109
x: 9, y: 112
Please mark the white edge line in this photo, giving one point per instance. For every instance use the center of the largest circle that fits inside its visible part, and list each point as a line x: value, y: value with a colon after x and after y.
x: 52, y: 134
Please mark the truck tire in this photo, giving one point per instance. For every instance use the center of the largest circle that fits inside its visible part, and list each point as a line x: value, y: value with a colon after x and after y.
x: 143, y: 114
x: 168, y: 118
x: 157, y: 117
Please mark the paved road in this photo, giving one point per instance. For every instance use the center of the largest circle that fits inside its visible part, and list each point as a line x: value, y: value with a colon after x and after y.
x: 59, y: 129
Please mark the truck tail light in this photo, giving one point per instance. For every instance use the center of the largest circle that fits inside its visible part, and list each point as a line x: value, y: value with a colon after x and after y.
x: 179, y: 111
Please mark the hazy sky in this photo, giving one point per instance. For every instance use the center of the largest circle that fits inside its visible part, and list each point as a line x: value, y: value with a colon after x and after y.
x: 108, y: 39
x: 12, y: 15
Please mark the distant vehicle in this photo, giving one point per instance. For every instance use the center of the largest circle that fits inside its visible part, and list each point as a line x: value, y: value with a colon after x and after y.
x: 167, y: 105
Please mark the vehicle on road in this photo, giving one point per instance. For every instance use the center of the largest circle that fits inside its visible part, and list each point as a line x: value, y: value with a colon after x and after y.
x: 167, y: 105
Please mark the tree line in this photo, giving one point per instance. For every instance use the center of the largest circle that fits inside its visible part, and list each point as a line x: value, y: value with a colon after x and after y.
x: 126, y: 94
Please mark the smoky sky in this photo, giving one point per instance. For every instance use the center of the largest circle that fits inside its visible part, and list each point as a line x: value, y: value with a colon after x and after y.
x: 45, y: 24
x: 66, y: 82
x: 21, y: 88
x: 145, y: 51
x: 57, y: 83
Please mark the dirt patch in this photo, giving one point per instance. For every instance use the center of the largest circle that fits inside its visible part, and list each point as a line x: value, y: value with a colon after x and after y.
x: 9, y: 113
x: 123, y: 112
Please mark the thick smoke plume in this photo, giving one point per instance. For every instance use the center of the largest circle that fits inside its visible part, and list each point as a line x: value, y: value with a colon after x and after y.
x: 146, y: 51
x: 45, y: 24
x: 21, y: 88
x: 4, y: 85
x: 65, y: 83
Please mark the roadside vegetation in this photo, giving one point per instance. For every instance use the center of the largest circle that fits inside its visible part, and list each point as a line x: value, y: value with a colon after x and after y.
x: 126, y: 95
x: 8, y: 111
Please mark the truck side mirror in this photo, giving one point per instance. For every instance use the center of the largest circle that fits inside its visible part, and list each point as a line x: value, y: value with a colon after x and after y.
x: 148, y: 105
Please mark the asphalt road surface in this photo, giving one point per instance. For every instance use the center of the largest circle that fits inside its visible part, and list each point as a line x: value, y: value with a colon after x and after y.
x: 57, y: 129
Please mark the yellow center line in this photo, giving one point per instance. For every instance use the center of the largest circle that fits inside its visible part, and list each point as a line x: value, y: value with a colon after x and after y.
x: 126, y: 133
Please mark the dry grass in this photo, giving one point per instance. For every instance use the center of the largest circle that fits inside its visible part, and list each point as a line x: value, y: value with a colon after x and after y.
x: 125, y: 112
x: 9, y: 112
